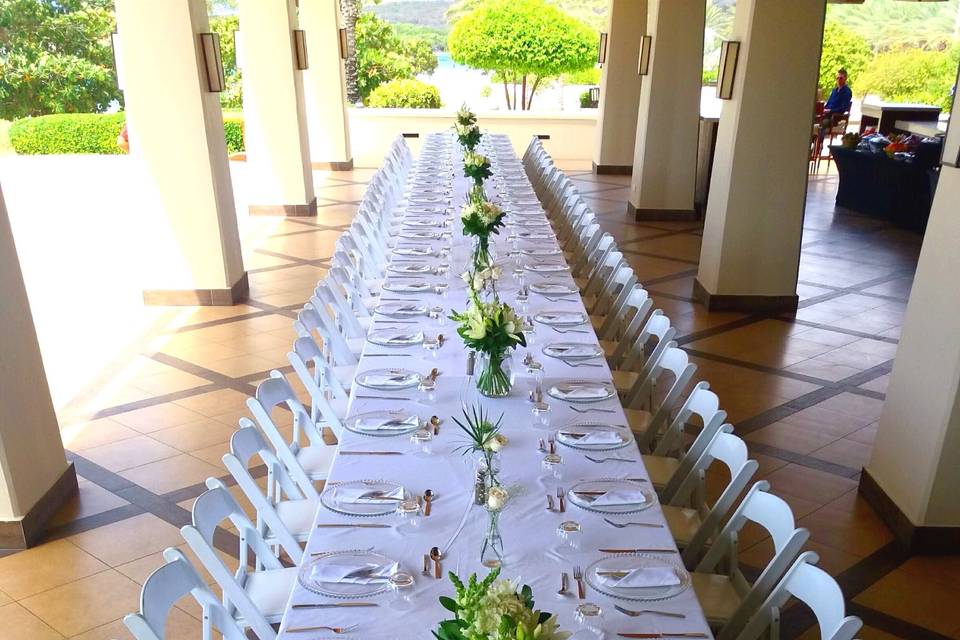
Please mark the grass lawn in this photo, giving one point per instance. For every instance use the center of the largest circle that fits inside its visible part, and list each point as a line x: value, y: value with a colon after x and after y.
x: 5, y: 147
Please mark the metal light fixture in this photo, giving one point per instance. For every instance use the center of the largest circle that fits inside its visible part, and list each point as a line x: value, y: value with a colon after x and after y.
x: 342, y: 33
x: 643, y: 64
x: 213, y: 63
x: 602, y: 51
x: 729, y: 52
x: 300, y: 48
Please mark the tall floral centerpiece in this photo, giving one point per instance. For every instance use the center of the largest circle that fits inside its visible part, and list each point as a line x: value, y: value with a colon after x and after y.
x: 492, y: 329
x: 468, y: 133
x: 481, y: 219
x: 476, y: 166
x: 486, y: 442
x: 495, y: 609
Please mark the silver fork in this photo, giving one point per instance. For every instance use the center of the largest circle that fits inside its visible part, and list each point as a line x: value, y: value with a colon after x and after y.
x: 634, y: 614
x: 621, y: 525
x: 337, y: 630
x: 569, y: 330
x: 578, y: 576
x: 579, y: 410
x: 580, y: 364
x: 598, y: 460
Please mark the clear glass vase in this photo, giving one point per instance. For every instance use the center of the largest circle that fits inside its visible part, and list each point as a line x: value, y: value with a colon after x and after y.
x: 495, y: 379
x: 491, y: 554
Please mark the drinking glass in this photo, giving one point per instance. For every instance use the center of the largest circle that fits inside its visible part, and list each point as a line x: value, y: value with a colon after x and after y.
x: 552, y: 466
x: 569, y: 533
x: 422, y: 439
x: 590, y: 618
x: 402, y: 584
x: 408, y: 512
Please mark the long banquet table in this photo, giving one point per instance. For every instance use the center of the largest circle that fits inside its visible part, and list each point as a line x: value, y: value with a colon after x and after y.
x: 528, y: 529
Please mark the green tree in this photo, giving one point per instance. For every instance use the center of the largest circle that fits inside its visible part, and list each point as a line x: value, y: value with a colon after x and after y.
x: 232, y: 96
x: 350, y: 13
x: 519, y: 40
x: 56, y: 57
x: 913, y: 75
x: 842, y: 48
x: 592, y: 12
x: 383, y: 56
x: 892, y: 24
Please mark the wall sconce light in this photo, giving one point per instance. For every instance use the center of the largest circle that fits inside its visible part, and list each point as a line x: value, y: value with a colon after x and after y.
x: 213, y: 63
x: 343, y: 43
x: 117, y: 59
x: 602, y: 51
x: 643, y: 64
x: 300, y: 48
x: 951, y: 142
x: 729, y: 52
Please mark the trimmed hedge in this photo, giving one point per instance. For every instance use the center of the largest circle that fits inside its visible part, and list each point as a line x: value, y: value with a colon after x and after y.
x: 233, y: 130
x: 405, y: 94
x: 67, y: 133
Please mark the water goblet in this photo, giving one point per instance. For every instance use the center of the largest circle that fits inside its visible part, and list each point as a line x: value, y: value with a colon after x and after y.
x: 569, y: 533
x: 590, y: 618
x: 408, y: 511
x: 552, y: 467
x: 422, y: 440
x: 402, y: 584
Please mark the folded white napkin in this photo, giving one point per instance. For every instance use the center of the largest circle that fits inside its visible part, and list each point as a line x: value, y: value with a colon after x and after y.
x: 387, y: 424
x: 533, y: 235
x: 598, y: 437
x: 410, y: 286
x: 396, y: 337
x: 389, y: 380
x: 573, y: 351
x: 352, y: 571
x: 547, y: 268
x: 562, y: 318
x: 582, y: 391
x: 364, y: 495
x: 411, y: 268
x: 644, y: 577
x: 552, y: 288
x: 620, y: 497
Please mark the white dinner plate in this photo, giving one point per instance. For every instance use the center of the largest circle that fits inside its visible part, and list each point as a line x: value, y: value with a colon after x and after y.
x: 635, y: 496
x: 401, y: 309
x: 539, y: 252
x: 572, y: 350
x: 395, y: 337
x: 594, y: 436
x: 561, y: 318
x: 332, y: 561
x: 340, y: 497
x: 419, y: 286
x: 414, y: 251
x: 623, y: 563
x: 546, y: 268
x: 383, y: 424
x: 399, y: 267
x: 554, y: 289
x: 582, y: 391
x: 388, y: 379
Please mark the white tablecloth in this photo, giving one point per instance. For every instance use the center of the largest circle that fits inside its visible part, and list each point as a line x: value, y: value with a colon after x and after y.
x: 529, y: 530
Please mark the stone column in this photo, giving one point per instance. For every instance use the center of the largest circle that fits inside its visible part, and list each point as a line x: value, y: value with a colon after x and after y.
x: 750, y: 254
x: 274, y: 114
x: 323, y: 87
x: 35, y: 478
x: 619, y: 89
x: 668, y: 119
x: 913, y: 478
x: 176, y: 137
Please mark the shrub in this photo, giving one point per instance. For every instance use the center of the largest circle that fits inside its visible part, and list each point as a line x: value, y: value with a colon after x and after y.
x: 912, y: 75
x: 586, y: 102
x: 67, y: 133
x: 410, y: 94
x: 842, y: 48
x: 589, y: 76
x: 233, y: 130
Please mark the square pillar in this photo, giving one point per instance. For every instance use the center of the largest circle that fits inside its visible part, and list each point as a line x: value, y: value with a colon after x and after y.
x: 668, y: 120
x: 274, y: 112
x: 750, y: 255
x: 914, y: 472
x: 619, y: 89
x: 177, y: 139
x: 324, y: 89
x: 35, y: 477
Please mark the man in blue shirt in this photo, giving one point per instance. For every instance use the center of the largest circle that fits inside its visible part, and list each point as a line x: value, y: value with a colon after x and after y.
x: 841, y: 97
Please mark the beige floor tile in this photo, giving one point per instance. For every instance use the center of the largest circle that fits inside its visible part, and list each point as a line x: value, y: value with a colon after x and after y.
x: 129, y: 539
x: 180, y: 626
x: 44, y: 567
x: 816, y: 486
x: 156, y: 417
x: 17, y: 623
x: 173, y: 473
x: 788, y: 436
x: 245, y: 365
x: 212, y: 454
x: 215, y: 402
x: 846, y: 452
x: 194, y: 435
x: 5, y: 599
x: 923, y: 603
x: 94, y: 433
x: 129, y: 453
x: 87, y: 603
x: 91, y: 499
x: 821, y: 419
x: 172, y: 382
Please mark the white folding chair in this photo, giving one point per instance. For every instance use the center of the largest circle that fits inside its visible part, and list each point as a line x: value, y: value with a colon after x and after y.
x: 165, y: 587
x: 255, y: 599
x: 315, y: 458
x: 328, y: 400
x: 673, y: 360
x: 815, y: 588
x: 727, y: 597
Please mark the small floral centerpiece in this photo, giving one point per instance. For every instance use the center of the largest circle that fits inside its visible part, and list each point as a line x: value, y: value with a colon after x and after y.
x: 476, y: 166
x: 487, y: 442
x: 495, y: 609
x: 468, y: 133
x: 481, y: 219
x: 491, y: 328
x: 482, y: 277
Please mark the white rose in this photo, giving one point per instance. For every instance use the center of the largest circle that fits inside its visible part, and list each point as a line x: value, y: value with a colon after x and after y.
x: 465, y: 276
x: 498, y: 442
x: 496, y: 498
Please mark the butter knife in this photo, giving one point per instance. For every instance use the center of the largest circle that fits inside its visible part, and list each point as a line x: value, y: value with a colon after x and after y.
x: 333, y: 605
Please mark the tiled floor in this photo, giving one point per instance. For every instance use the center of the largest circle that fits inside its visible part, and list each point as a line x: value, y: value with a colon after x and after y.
x: 805, y: 392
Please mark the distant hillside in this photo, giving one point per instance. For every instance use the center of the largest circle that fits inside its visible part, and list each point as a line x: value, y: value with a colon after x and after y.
x: 427, y: 13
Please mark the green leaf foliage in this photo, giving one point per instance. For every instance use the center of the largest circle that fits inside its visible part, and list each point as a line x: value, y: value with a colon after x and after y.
x: 233, y: 131
x: 525, y: 37
x: 56, y: 57
x: 405, y: 94
x: 383, y: 56
x: 226, y: 26
x: 842, y: 49
x: 67, y: 133
x: 912, y: 75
